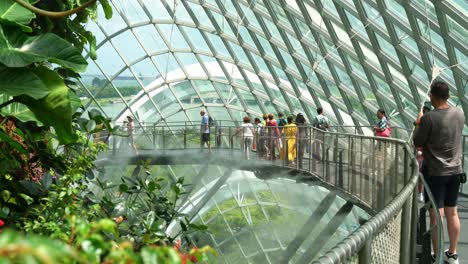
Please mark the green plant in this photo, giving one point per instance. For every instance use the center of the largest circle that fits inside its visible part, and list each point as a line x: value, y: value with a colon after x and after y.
x: 40, y: 54
x: 91, y: 247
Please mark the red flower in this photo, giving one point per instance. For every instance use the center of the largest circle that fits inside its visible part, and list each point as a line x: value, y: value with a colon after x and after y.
x: 193, y: 258
x: 2, y: 223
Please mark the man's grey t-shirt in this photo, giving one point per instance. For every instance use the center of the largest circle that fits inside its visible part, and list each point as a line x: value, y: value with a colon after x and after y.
x: 440, y: 135
x: 203, y: 128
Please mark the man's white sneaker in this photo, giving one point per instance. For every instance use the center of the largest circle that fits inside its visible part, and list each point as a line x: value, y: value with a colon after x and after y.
x: 421, y: 197
x: 451, y: 258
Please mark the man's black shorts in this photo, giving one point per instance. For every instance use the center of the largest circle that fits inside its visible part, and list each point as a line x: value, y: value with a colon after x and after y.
x: 205, y: 137
x: 444, y: 189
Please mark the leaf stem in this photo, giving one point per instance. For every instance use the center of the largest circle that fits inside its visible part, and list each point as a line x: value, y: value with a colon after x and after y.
x: 59, y: 14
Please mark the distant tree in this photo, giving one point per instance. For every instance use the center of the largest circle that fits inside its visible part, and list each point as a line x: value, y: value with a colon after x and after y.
x: 96, y: 82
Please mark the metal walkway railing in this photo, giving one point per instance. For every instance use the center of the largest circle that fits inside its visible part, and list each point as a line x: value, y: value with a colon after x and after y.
x: 379, y: 173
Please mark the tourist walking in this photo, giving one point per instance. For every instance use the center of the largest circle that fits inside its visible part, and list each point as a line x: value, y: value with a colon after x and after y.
x: 321, y: 124
x: 289, y: 147
x: 259, y: 134
x: 131, y: 134
x: 248, y: 137
x: 273, y: 136
x: 265, y: 140
x: 439, y: 132
x: 205, y: 130
x: 382, y: 129
x: 302, y: 138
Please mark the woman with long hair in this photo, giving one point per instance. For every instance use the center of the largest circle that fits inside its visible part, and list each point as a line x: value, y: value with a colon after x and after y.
x: 248, y: 136
x: 382, y: 129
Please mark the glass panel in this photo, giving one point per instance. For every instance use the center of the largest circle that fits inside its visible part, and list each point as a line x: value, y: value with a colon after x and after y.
x: 110, y: 26
x: 173, y: 36
x: 93, y: 27
x: 150, y: 38
x: 250, y: 100
x: 127, y: 85
x: 200, y: 15
x: 397, y: 10
x: 165, y: 100
x: 157, y: 9
x: 219, y: 45
x: 197, y: 39
x: 166, y: 63
x: 128, y: 46
x: 132, y: 11
x: 147, y: 112
x: 106, y: 53
x: 181, y: 14
x: 145, y: 71
x: 244, y: 34
x: 386, y: 47
x: 186, y: 94
x: 357, y: 25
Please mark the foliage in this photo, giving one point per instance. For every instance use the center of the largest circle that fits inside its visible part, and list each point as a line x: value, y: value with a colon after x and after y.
x: 29, y: 161
x: 92, y: 247
x: 47, y: 184
x: 39, y: 56
x: 142, y: 205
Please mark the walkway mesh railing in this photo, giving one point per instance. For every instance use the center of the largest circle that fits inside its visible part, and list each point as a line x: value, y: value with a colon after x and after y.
x: 380, y: 174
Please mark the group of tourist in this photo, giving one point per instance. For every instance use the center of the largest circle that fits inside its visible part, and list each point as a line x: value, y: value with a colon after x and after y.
x: 286, y: 138
x: 289, y: 137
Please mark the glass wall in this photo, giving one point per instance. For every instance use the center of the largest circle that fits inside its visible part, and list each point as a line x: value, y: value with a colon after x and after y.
x: 163, y: 60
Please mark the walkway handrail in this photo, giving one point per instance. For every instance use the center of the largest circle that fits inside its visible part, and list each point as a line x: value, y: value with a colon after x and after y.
x: 361, y: 237
x: 389, y: 196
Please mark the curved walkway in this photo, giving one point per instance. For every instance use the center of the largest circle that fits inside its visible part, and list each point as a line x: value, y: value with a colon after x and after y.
x: 378, y: 173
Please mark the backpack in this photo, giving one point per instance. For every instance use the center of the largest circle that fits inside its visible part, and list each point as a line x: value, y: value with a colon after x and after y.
x: 211, y: 121
x: 322, y: 123
x: 282, y: 122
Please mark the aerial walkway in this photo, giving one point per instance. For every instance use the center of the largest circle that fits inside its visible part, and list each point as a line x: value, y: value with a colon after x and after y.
x: 361, y: 190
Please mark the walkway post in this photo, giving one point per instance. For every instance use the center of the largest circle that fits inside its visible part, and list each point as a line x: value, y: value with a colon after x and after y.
x: 185, y: 137
x: 405, y: 235
x: 340, y: 170
x: 414, y: 225
x: 163, y: 140
x: 114, y: 145
x: 154, y: 136
x: 365, y: 254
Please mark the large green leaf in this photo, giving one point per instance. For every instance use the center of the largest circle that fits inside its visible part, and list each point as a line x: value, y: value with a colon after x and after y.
x: 21, y: 81
x: 20, y: 112
x: 107, y: 8
x: 55, y: 109
x: 19, y: 50
x: 13, y: 14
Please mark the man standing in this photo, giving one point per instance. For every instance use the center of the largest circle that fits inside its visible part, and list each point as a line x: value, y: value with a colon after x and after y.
x: 205, y: 130
x: 131, y: 134
x: 321, y: 123
x: 439, y: 132
x: 273, y: 135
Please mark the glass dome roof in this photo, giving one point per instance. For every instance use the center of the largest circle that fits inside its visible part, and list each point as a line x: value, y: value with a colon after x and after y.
x: 162, y: 60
